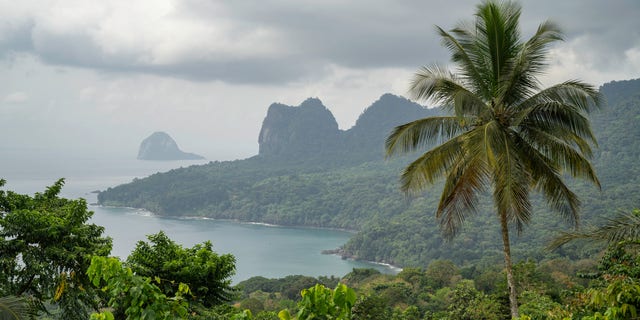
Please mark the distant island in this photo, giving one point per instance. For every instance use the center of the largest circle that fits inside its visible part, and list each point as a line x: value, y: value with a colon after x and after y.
x: 160, y: 146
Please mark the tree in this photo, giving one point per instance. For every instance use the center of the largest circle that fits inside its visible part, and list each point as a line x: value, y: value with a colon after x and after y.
x: 46, y: 246
x: 371, y: 307
x: 441, y: 273
x: 207, y: 274
x: 468, y: 303
x: 504, y: 132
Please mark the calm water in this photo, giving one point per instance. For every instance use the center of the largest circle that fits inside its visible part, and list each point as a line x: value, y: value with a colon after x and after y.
x: 260, y: 250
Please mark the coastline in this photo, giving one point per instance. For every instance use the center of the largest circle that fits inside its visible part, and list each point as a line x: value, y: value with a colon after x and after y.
x: 337, y: 252
x: 266, y: 224
x: 343, y: 255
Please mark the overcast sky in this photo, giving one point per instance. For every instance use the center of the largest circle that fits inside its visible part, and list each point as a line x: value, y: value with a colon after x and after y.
x: 90, y: 76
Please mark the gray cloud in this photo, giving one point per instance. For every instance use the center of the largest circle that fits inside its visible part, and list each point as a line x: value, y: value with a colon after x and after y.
x: 98, y: 76
x: 600, y: 31
x: 275, y: 42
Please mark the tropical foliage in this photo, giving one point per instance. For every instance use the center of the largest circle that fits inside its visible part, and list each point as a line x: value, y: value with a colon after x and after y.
x: 322, y: 303
x: 551, y: 289
x: 46, y: 245
x: 207, y: 274
x: 131, y: 296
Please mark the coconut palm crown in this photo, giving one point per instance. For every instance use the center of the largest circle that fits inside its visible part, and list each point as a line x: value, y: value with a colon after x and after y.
x: 506, y: 134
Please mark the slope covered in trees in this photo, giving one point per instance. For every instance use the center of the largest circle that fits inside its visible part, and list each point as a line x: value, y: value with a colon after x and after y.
x: 616, y: 163
x: 351, y: 186
x: 163, y: 280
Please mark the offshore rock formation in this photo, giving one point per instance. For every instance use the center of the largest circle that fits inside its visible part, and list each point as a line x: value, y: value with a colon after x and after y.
x: 160, y: 146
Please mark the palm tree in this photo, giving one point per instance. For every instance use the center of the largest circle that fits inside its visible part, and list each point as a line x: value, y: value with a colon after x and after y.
x: 505, y: 131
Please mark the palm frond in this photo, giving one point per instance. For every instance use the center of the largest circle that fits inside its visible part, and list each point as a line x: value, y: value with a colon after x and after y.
x: 431, y: 165
x: 561, y: 155
x: 12, y: 307
x: 624, y: 227
x: 498, y: 40
x: 464, y: 54
x: 439, y: 85
x: 580, y: 95
x: 546, y: 178
x: 562, y: 121
x: 464, y: 182
x: 528, y: 64
x: 421, y: 133
x: 559, y: 197
x: 429, y: 81
x: 511, y: 179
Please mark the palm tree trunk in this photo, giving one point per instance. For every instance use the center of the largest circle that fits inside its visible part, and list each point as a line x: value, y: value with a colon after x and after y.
x: 513, y: 300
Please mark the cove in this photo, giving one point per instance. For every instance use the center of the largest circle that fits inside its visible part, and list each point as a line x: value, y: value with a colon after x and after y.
x: 260, y: 250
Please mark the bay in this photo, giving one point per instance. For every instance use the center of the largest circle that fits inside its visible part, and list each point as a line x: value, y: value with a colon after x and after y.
x: 260, y: 250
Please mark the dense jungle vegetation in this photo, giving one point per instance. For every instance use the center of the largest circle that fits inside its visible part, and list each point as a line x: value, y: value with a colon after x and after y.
x: 70, y: 276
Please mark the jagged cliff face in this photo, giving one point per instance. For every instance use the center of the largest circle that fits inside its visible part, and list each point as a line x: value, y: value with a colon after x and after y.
x: 297, y: 131
x: 310, y: 130
x: 376, y: 122
x: 160, y: 146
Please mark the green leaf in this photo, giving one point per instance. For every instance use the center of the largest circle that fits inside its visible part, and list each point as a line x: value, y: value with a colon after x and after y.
x: 284, y: 315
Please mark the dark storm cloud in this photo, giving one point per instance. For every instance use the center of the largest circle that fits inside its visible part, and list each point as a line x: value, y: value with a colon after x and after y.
x: 296, y: 40
x: 358, y: 34
x: 602, y: 31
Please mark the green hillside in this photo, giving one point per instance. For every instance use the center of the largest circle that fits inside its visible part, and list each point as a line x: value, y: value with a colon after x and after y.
x: 349, y: 188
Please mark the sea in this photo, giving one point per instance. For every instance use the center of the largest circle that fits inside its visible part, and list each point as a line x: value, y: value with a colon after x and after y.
x: 260, y: 249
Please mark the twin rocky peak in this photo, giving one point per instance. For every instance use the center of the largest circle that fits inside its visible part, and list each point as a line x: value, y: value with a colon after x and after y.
x: 310, y: 131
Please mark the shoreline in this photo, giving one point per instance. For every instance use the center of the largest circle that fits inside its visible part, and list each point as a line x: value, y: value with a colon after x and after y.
x: 266, y: 224
x: 340, y: 253
x: 337, y: 252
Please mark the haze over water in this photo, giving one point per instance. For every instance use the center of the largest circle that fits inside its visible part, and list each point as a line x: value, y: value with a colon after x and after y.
x: 260, y: 250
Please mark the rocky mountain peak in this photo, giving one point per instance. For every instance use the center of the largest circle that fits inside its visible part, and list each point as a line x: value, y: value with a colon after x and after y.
x: 295, y: 131
x: 311, y: 130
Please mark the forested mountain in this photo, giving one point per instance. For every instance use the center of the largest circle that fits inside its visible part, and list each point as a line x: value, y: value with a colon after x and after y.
x: 311, y: 173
